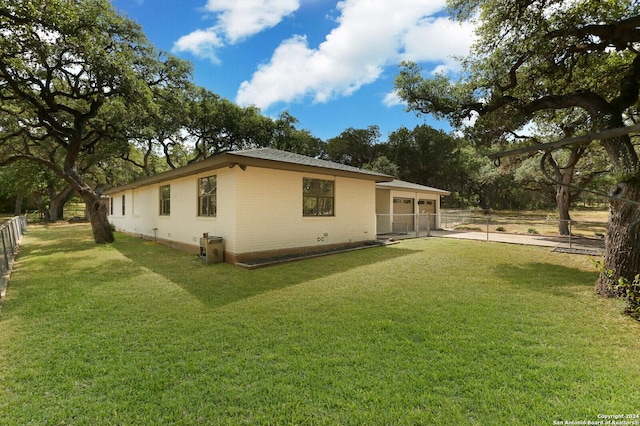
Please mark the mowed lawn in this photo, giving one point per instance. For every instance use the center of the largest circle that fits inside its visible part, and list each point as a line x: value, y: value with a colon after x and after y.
x: 428, y: 331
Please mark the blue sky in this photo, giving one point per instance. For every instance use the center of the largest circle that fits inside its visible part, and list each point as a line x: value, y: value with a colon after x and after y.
x: 330, y: 63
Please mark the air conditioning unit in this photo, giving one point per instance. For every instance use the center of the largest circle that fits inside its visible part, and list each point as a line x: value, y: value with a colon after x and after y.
x: 211, y: 250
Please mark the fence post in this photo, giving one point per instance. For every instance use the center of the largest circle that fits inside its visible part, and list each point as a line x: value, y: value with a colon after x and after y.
x: 15, y: 230
x: 12, y: 240
x: 11, y: 232
x: 488, y: 220
x: 4, y: 249
x: 570, y: 236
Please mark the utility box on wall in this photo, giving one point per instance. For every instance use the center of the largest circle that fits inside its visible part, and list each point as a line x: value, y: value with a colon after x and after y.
x: 211, y: 250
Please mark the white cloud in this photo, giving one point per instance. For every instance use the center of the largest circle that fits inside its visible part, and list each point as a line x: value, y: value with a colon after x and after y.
x: 442, y: 69
x: 238, y: 19
x: 392, y: 99
x: 235, y: 21
x: 438, y: 40
x: 371, y: 35
x: 201, y: 43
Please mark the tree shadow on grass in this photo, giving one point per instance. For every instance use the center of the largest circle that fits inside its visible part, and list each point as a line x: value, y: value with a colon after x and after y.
x: 60, y: 260
x: 546, y: 277
x: 221, y: 284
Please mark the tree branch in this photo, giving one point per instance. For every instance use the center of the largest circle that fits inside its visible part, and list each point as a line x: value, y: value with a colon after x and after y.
x: 585, y: 99
x: 513, y: 78
x: 620, y: 34
x: 629, y: 87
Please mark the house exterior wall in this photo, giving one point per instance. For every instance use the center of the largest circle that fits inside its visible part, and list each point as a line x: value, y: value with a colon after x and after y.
x: 183, y: 227
x: 383, y: 211
x: 259, y: 213
x: 270, y: 219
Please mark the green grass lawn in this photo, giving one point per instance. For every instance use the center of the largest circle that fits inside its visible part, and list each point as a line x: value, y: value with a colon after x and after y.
x: 429, y: 331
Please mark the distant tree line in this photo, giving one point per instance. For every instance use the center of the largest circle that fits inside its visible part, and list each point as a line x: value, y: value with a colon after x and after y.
x: 421, y: 155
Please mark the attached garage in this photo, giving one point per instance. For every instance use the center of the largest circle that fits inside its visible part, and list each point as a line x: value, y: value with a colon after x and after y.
x: 427, y: 211
x: 405, y: 207
x: 403, y: 215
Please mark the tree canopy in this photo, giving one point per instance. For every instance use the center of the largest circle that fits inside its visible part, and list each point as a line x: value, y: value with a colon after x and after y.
x: 72, y: 73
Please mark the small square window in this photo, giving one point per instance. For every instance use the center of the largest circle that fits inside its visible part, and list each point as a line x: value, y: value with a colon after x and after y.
x: 317, y: 197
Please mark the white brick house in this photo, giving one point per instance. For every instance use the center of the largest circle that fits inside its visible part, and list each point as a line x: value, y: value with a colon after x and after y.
x: 262, y: 202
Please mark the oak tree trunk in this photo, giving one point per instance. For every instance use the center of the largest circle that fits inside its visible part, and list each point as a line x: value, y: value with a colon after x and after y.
x: 562, y: 200
x: 18, y: 206
x: 58, y: 201
x: 622, y: 255
x: 42, y: 208
x: 97, y: 208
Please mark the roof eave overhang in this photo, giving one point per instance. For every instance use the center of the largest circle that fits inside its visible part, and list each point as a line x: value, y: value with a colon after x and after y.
x: 212, y: 163
x: 306, y: 168
x: 229, y: 159
x: 423, y: 190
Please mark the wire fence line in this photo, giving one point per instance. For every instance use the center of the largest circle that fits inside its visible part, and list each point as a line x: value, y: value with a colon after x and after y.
x: 578, y: 233
x: 11, y: 234
x: 573, y: 234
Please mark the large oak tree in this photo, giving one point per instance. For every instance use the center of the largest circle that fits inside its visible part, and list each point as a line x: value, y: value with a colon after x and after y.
x: 533, y: 56
x: 71, y: 74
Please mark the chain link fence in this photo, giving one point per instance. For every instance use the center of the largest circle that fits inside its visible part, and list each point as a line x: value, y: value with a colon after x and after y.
x: 11, y: 234
x: 573, y: 235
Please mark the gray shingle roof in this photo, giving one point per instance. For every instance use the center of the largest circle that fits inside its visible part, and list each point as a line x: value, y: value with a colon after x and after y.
x: 261, y: 157
x: 400, y: 184
x: 303, y: 160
